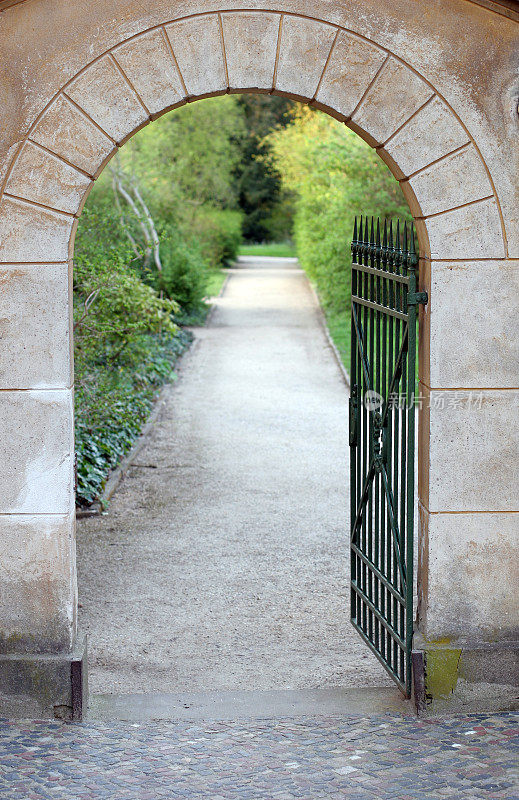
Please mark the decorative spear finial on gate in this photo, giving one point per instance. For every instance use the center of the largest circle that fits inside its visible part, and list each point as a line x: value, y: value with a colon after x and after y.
x: 372, y: 242
x: 378, y: 249
x: 384, y: 245
x: 412, y: 260
x: 354, y: 242
x: 390, y: 248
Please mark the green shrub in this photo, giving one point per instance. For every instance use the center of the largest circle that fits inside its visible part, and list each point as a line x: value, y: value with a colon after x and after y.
x: 184, y: 271
x: 333, y: 176
x: 219, y: 233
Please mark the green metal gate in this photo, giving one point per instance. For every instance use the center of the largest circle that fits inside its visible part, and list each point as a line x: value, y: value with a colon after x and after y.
x: 382, y: 436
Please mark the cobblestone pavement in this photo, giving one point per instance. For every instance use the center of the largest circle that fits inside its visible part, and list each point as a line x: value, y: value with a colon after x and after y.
x: 352, y: 758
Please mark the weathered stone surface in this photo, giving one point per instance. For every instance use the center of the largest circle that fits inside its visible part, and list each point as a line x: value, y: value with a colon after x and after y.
x: 34, y: 327
x: 38, y: 454
x: 479, y: 555
x: 352, y: 66
x: 37, y: 583
x: 429, y: 135
x: 31, y: 233
x: 303, y: 49
x: 379, y: 119
x: 250, y: 40
x: 474, y: 441
x: 45, y: 685
x: 451, y: 182
x: 66, y: 131
x: 149, y: 65
x: 108, y: 99
x: 42, y: 177
x: 470, y: 232
x: 198, y: 48
x: 485, y: 351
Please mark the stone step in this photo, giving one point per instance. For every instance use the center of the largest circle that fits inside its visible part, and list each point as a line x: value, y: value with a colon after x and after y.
x: 231, y: 705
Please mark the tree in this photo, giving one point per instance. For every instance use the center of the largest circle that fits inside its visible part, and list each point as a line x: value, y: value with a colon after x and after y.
x: 259, y: 182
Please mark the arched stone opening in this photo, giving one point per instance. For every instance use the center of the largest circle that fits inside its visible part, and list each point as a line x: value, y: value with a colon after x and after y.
x: 466, y: 485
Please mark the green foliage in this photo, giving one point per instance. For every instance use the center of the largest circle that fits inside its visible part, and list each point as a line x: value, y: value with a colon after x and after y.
x: 219, y: 232
x: 339, y: 325
x: 112, y: 304
x: 185, y: 167
x: 125, y: 345
x: 333, y: 176
x: 184, y: 271
x: 280, y: 222
x: 267, y: 212
x: 186, y: 160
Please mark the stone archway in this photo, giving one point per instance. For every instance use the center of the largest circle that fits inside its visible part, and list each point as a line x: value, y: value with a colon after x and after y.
x: 99, y: 87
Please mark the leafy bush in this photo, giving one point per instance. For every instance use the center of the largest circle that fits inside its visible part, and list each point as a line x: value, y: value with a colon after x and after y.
x: 184, y: 271
x: 333, y: 176
x: 219, y: 234
x: 111, y: 303
x: 125, y: 345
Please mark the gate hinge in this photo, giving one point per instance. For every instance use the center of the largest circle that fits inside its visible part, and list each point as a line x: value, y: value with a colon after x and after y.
x: 417, y: 297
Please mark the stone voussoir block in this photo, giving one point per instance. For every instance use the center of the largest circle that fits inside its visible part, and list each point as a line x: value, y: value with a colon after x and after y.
x: 352, y: 66
x: 108, y: 99
x: 473, y: 231
x: 198, y: 48
x: 376, y: 119
x: 431, y: 134
x: 42, y: 177
x: 34, y: 326
x: 455, y: 180
x: 304, y: 48
x: 149, y: 64
x: 64, y: 130
x: 250, y: 39
x: 32, y: 233
x: 38, y: 454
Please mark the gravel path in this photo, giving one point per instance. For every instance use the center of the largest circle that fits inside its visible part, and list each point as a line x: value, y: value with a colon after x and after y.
x: 223, y: 561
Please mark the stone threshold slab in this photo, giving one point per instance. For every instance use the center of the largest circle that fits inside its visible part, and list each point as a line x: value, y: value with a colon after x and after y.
x: 248, y: 704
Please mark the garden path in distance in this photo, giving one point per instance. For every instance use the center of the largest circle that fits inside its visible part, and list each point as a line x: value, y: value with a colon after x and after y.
x: 223, y: 562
